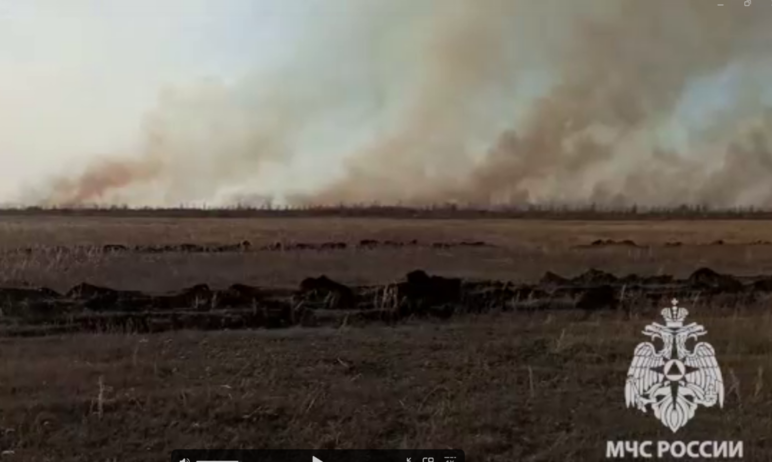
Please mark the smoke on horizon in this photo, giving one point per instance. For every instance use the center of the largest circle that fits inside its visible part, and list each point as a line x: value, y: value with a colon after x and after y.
x: 472, y: 101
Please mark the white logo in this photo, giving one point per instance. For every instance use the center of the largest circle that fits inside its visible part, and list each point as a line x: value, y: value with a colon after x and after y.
x: 673, y: 380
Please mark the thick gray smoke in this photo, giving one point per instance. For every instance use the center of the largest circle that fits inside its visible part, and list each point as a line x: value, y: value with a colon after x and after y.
x: 476, y: 101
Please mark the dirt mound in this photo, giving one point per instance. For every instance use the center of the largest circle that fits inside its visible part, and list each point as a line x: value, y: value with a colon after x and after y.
x: 107, y: 248
x: 551, y: 278
x: 421, y: 293
x: 763, y: 284
x: 197, y: 297
x: 184, y: 247
x: 246, y: 246
x: 239, y: 295
x: 242, y: 246
x: 366, y: 244
x: 598, y: 298
x: 323, y: 301
x: 333, y: 295
x: 86, y: 290
x: 609, y: 243
x: 594, y: 276
x: 627, y: 243
x: 706, y: 278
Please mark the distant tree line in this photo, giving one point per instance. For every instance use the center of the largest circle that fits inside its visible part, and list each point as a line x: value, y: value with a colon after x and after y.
x: 437, y: 211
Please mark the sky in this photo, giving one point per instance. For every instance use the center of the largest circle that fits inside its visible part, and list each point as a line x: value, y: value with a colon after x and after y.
x: 77, y: 76
x: 160, y: 102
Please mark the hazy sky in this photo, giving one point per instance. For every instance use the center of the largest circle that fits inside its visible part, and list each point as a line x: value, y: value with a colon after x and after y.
x: 76, y: 76
x: 78, y: 79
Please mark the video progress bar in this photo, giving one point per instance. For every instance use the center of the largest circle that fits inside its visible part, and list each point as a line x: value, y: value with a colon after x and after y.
x: 307, y: 455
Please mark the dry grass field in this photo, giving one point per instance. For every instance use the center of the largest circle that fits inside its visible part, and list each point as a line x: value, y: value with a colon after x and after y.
x: 503, y: 385
x: 520, y: 250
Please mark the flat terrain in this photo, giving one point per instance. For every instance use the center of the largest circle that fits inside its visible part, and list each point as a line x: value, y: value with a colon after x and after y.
x: 520, y: 250
x: 504, y: 384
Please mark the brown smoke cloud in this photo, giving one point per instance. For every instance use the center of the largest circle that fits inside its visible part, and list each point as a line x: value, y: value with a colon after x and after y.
x: 197, y: 141
x: 453, y: 127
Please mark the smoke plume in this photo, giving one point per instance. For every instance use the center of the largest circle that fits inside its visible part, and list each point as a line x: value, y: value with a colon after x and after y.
x: 478, y: 102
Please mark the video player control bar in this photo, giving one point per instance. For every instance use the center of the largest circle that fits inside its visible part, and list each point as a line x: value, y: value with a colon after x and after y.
x: 428, y: 455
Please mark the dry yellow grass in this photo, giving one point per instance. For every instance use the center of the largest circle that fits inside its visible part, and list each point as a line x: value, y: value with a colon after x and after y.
x: 19, y: 231
x: 524, y: 250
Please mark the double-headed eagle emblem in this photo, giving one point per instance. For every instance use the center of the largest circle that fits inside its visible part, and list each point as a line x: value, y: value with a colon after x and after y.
x: 674, y: 381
